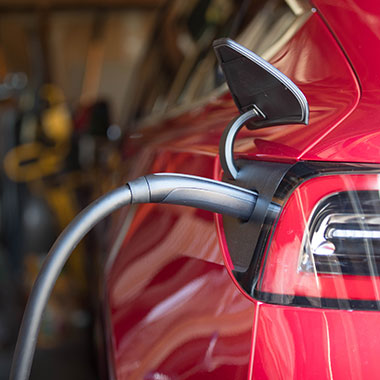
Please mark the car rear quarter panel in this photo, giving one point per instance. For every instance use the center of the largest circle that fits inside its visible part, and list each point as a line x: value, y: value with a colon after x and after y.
x: 173, y: 312
x: 356, y: 25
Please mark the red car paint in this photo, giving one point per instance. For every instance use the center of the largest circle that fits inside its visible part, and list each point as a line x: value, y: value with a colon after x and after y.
x: 356, y: 26
x: 173, y: 310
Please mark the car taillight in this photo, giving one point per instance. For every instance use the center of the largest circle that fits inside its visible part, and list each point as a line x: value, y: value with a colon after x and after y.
x: 325, y: 247
x: 343, y: 235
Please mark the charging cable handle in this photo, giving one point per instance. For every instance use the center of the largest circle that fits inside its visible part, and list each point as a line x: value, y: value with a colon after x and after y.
x: 167, y: 188
x: 187, y: 190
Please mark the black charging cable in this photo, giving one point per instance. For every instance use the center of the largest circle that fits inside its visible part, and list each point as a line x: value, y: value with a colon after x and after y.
x: 176, y: 189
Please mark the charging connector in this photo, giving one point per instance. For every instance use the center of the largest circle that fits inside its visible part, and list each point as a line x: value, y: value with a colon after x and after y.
x: 166, y: 188
x: 187, y: 190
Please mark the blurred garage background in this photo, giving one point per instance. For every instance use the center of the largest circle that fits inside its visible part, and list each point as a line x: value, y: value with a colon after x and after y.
x: 76, y: 76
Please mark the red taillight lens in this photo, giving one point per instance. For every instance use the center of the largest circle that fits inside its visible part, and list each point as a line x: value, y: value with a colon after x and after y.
x: 325, y: 247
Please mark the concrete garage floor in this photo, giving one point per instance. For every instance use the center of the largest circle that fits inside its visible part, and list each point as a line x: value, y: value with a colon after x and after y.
x: 74, y: 360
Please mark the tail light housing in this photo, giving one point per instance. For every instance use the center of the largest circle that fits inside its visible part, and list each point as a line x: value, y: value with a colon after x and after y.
x: 322, y: 249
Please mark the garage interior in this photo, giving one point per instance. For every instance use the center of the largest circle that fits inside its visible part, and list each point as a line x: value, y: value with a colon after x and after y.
x: 76, y: 79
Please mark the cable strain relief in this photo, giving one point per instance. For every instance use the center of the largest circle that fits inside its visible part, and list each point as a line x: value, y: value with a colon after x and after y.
x: 140, y: 190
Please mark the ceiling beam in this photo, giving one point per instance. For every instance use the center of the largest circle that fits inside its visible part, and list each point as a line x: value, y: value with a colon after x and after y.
x: 30, y: 5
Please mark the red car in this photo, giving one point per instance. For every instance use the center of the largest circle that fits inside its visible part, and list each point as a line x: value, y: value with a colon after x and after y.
x: 308, y: 309
x: 294, y: 293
